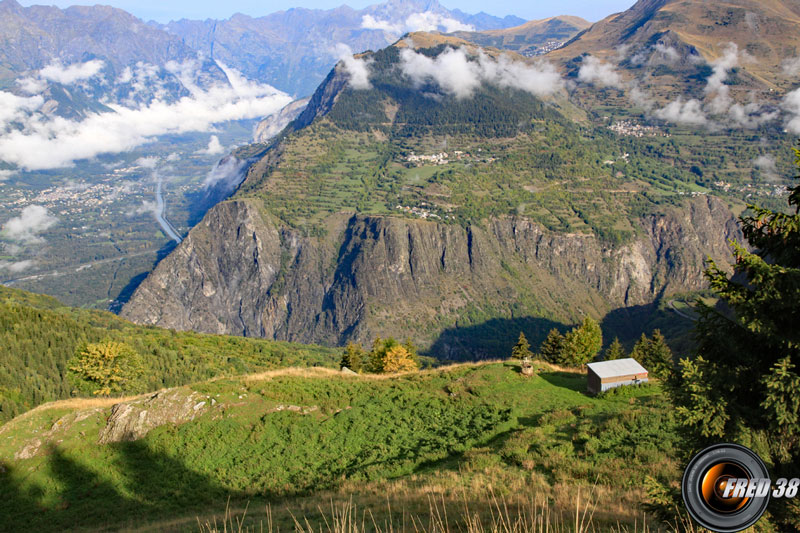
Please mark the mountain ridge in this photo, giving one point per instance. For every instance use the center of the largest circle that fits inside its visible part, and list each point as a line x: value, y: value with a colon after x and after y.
x: 294, y: 48
x: 316, y: 243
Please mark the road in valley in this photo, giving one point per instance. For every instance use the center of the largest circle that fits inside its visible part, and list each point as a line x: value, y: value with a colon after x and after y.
x: 165, y: 224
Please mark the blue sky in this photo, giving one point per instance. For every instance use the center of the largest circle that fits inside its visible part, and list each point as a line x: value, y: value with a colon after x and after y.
x: 199, y: 9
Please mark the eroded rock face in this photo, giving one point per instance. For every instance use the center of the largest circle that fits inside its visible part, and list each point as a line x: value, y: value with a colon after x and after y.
x: 239, y: 273
x: 131, y: 421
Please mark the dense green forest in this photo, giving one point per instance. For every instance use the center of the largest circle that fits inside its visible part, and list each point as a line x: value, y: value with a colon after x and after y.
x: 38, y: 336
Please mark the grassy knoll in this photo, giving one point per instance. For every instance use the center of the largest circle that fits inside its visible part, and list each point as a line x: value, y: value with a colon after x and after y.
x: 296, y: 440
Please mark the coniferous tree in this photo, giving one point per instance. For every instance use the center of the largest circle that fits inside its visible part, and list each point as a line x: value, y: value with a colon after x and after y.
x: 412, y: 349
x: 582, y: 343
x: 353, y: 357
x: 614, y: 351
x: 654, y: 355
x: 553, y: 346
x: 522, y: 350
x: 742, y: 386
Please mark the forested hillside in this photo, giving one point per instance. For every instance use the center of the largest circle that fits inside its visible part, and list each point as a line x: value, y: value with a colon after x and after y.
x: 38, y: 336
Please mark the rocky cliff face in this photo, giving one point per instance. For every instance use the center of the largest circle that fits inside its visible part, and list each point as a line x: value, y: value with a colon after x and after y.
x: 238, y: 272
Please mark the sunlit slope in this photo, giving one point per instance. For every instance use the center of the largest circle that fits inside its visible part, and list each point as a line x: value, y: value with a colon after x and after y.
x: 38, y: 335
x: 768, y: 31
x: 531, y: 37
x: 298, y: 438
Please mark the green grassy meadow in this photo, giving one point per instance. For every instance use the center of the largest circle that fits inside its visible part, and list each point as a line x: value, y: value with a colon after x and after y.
x: 296, y: 441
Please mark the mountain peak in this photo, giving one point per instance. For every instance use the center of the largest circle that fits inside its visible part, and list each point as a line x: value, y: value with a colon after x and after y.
x: 10, y: 5
x: 417, y: 5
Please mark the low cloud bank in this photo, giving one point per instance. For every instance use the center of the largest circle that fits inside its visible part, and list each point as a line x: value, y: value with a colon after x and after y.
x: 71, y: 73
x: 689, y: 112
x: 422, y: 21
x: 58, y: 73
x: 791, y: 104
x: 791, y: 66
x: 719, y: 102
x: 16, y: 267
x: 45, y: 142
x: 456, y: 74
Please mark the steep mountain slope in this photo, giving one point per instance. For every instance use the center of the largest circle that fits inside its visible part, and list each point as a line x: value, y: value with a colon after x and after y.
x: 32, y: 36
x: 668, y: 46
x: 524, y: 219
x: 82, y: 58
x: 535, y: 37
x: 294, y: 49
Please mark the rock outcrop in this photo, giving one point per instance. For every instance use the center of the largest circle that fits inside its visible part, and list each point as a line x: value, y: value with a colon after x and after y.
x: 240, y: 272
x: 132, y: 420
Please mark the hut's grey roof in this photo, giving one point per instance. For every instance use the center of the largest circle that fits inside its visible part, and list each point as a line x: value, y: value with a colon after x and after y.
x: 617, y: 367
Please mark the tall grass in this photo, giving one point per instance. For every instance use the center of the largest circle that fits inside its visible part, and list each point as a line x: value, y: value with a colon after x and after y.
x: 534, y: 516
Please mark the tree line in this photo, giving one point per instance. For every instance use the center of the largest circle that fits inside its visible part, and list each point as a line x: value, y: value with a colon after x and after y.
x: 583, y: 344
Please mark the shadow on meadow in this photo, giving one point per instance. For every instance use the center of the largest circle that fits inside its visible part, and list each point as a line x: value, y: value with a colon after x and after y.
x: 567, y: 380
x: 143, y: 484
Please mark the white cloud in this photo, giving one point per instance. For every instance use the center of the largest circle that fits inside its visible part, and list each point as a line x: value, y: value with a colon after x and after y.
x: 766, y: 164
x: 716, y: 82
x: 459, y: 76
x: 122, y: 188
x: 214, y: 147
x: 599, y: 73
x: 731, y: 114
x: 640, y: 97
x: 26, y: 227
x: 428, y: 21
x: 369, y: 22
x: 668, y: 53
x: 356, y: 68
x: 423, y: 21
x: 16, y: 267
x: 147, y: 206
x: 71, y: 73
x: 149, y: 162
x: 451, y: 70
x: 46, y: 143
x: 750, y: 116
x: 32, y: 85
x: 173, y: 157
x: 16, y: 108
x: 227, y: 172
x: 5, y: 174
x: 791, y: 66
x: 689, y: 112
x: 791, y: 104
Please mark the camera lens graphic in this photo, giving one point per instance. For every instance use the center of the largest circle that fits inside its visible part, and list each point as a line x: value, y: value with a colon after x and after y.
x: 708, y: 476
x: 714, y: 483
